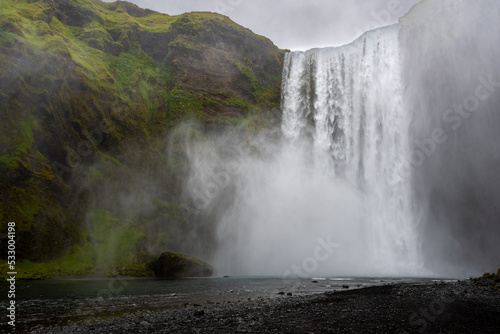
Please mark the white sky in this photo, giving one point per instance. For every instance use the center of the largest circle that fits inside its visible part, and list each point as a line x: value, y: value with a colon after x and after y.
x: 296, y: 24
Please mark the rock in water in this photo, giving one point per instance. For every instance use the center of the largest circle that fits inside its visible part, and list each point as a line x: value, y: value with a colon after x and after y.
x: 170, y: 264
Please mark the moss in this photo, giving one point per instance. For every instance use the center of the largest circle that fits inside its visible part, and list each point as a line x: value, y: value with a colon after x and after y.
x: 112, y: 160
x: 113, y: 241
x: 170, y: 211
x: 64, y: 76
x: 24, y: 206
x: 186, y: 44
x: 266, y: 93
x: 9, y: 160
x: 247, y: 73
x: 188, y: 25
x: 94, y: 175
x: 135, y: 70
x: 210, y: 103
x: 95, y: 35
x: 28, y: 203
x: 76, y: 263
x: 182, y: 102
x: 269, y: 94
x: 233, y: 101
x: 112, y: 248
x: 18, y: 138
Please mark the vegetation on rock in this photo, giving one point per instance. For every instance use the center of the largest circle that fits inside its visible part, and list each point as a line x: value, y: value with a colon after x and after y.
x: 89, y: 92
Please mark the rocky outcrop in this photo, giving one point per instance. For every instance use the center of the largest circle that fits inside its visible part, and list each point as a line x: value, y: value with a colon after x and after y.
x: 177, y: 265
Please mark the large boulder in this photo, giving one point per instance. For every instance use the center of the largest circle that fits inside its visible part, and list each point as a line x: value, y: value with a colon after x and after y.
x: 170, y: 264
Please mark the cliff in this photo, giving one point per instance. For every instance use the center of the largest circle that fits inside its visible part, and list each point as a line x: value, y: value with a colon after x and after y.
x: 89, y: 94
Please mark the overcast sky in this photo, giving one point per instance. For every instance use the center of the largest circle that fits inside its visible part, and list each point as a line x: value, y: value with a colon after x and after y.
x: 296, y: 24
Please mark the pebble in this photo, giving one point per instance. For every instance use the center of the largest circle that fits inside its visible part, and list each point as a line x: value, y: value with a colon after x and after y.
x: 367, y: 310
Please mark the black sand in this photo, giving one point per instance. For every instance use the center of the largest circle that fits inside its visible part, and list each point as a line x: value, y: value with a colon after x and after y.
x: 461, y: 307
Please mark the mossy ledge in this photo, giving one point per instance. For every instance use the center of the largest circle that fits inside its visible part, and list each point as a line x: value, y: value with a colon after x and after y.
x: 89, y: 92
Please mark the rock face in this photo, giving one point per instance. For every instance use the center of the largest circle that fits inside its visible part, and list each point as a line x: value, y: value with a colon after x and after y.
x: 176, y: 265
x: 89, y: 94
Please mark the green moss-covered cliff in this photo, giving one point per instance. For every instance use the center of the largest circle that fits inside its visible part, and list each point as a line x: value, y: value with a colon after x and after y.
x: 89, y: 92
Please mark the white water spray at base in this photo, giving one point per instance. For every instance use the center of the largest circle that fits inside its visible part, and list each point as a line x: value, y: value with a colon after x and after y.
x: 385, y: 163
x: 331, y: 179
x: 348, y: 103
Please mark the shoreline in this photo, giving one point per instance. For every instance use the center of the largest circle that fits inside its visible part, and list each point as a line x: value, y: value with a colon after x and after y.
x: 459, y: 307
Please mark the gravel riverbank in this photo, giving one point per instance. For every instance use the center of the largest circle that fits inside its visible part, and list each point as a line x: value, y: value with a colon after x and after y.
x: 459, y: 307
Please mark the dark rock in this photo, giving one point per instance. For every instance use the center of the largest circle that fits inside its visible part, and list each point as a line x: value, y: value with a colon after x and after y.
x: 71, y: 14
x: 350, y: 311
x: 48, y: 15
x: 170, y: 264
x: 114, y: 49
x: 199, y: 313
x: 130, y: 8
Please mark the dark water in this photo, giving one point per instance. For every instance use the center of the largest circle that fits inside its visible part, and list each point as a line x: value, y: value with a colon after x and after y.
x: 59, y: 302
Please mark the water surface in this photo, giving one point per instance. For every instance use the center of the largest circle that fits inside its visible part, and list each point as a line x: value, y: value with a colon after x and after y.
x: 59, y: 302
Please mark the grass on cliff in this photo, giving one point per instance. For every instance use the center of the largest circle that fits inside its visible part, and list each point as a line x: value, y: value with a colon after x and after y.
x: 86, y: 73
x: 110, y: 248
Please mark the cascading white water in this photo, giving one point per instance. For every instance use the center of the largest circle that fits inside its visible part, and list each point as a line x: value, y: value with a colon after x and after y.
x: 328, y: 182
x: 386, y: 161
x: 348, y: 102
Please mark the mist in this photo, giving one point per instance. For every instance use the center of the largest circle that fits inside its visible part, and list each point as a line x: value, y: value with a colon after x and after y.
x: 374, y: 169
x: 271, y: 207
x: 451, y: 52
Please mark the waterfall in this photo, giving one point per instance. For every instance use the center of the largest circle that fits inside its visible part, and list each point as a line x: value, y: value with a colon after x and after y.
x: 324, y: 196
x: 385, y: 163
x: 347, y: 102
